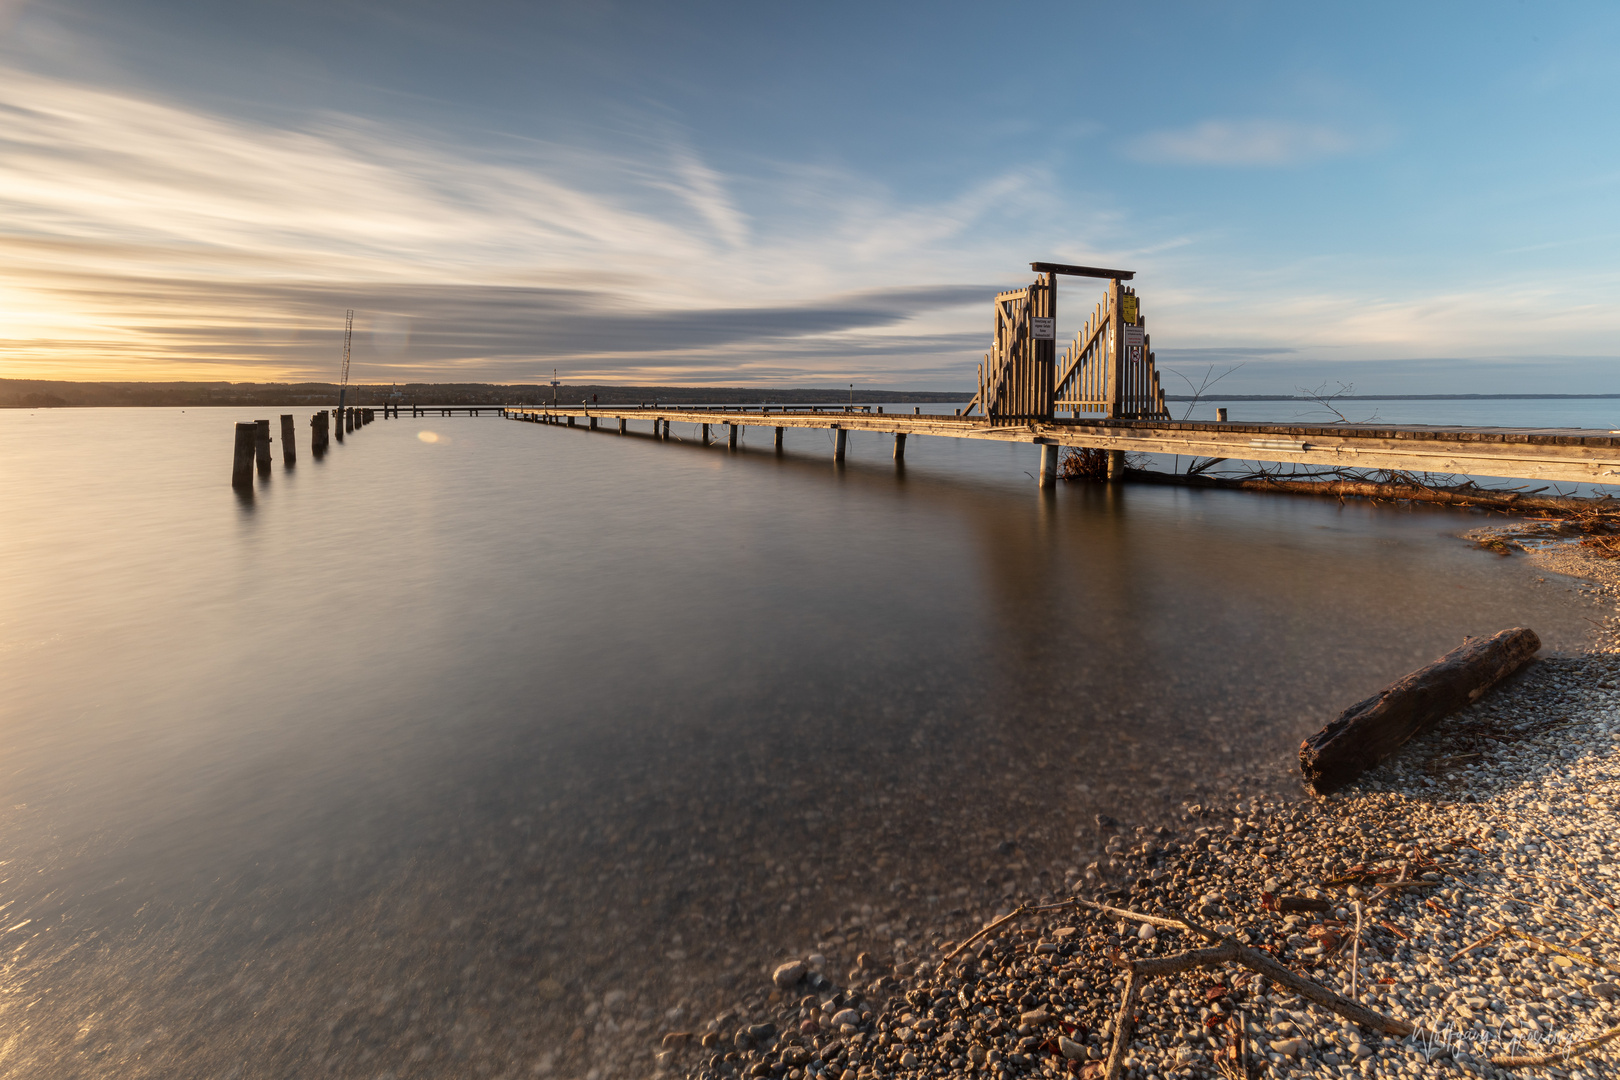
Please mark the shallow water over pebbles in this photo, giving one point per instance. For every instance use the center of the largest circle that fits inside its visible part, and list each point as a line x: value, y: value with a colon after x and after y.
x: 408, y: 763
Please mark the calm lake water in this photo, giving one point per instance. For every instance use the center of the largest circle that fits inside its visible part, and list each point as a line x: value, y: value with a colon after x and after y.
x: 483, y: 755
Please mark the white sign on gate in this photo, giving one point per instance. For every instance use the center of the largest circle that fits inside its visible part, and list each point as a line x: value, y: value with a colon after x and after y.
x: 1133, y: 335
x: 1042, y: 329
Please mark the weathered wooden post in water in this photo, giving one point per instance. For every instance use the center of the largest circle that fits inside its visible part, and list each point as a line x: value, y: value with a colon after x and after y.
x: 242, y: 465
x: 779, y: 440
x: 317, y: 433
x: 348, y: 420
x: 900, y: 446
x: 1049, y: 464
x: 839, y: 435
x: 261, y: 445
x: 705, y: 436
x: 731, y: 435
x: 289, y: 449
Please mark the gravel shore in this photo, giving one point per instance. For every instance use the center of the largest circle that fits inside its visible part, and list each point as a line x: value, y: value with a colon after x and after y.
x: 1479, y: 862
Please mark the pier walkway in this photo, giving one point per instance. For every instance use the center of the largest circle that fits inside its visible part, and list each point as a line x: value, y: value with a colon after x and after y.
x: 1569, y: 455
x: 1107, y: 383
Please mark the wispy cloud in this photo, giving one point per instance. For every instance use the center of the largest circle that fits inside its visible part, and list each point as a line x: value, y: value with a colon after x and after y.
x: 1250, y: 143
x: 141, y: 236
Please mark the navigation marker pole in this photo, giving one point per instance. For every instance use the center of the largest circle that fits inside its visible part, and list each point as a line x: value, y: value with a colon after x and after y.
x: 343, y: 385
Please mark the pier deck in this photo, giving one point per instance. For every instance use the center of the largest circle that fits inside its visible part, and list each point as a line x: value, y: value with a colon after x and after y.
x: 1569, y: 455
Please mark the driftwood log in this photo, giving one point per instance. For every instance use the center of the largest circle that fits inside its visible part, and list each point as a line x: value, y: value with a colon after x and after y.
x: 1371, y: 730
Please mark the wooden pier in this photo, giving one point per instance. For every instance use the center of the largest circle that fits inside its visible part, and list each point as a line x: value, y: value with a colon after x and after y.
x: 1107, y: 382
x: 1568, y: 455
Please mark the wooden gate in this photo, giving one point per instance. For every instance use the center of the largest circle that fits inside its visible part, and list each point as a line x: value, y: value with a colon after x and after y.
x: 1015, y: 380
x: 1108, y: 370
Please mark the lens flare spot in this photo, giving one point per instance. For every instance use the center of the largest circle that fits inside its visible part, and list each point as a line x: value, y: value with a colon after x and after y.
x: 428, y: 436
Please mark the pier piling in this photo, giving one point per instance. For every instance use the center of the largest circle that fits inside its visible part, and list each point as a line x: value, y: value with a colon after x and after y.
x: 1116, y: 466
x: 900, y: 446
x: 261, y: 445
x: 839, y: 435
x: 779, y: 440
x: 731, y: 436
x: 242, y: 464
x: 1049, y: 464
x: 289, y: 447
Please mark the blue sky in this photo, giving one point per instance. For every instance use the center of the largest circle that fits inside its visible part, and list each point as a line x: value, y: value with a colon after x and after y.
x: 1407, y: 199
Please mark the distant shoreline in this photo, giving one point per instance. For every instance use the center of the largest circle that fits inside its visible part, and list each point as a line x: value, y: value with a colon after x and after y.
x: 45, y: 394
x: 48, y: 394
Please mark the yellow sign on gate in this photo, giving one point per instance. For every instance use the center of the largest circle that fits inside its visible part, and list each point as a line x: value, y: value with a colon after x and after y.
x: 1127, y: 308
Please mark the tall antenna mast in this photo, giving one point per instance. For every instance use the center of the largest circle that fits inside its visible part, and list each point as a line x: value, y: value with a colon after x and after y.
x: 348, y: 335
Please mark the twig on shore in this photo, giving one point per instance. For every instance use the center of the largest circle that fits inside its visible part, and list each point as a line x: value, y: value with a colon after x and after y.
x: 1471, y: 946
x: 1226, y: 950
x: 1553, y: 946
x: 1355, y: 953
x: 1536, y: 1060
x: 1021, y: 909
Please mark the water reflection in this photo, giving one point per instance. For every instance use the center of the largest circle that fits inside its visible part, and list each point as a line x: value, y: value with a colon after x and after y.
x: 459, y: 738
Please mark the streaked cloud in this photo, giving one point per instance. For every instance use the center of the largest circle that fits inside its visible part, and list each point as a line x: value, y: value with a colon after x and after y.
x: 1242, y: 143
x: 142, y: 237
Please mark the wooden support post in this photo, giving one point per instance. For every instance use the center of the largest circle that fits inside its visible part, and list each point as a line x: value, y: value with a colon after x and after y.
x: 1116, y: 466
x: 593, y: 423
x: 242, y: 464
x: 261, y: 445
x: 838, y: 444
x: 289, y: 447
x: 900, y: 446
x: 731, y: 436
x: 570, y: 421
x: 704, y: 438
x: 1049, y: 464
x: 624, y: 425
x: 1116, y: 355
x: 1220, y: 416
x: 778, y: 438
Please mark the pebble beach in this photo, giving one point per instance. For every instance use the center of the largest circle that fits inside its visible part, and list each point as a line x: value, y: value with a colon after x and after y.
x: 1466, y: 889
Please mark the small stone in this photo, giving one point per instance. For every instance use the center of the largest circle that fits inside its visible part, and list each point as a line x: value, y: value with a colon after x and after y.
x: 1288, y: 1047
x: 1148, y: 932
x: 908, y: 1059
x: 788, y: 974
x: 1071, y: 1049
x: 846, y: 1018
x: 1034, y: 1016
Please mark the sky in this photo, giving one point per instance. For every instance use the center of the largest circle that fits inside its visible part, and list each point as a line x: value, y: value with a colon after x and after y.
x: 1402, y: 198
